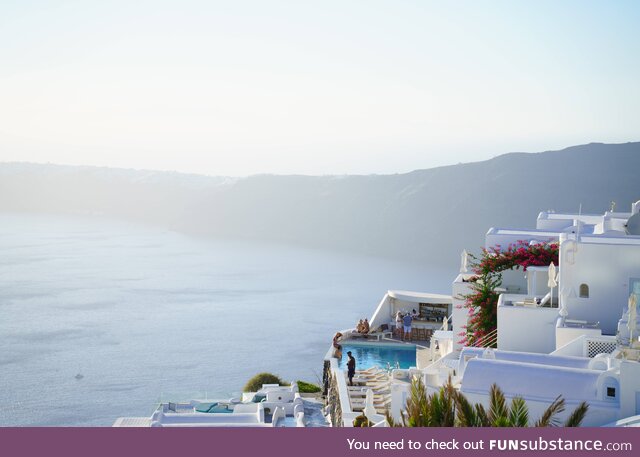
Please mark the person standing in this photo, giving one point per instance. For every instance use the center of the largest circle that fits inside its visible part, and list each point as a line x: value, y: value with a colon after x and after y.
x: 399, y: 324
x: 365, y: 327
x: 351, y: 367
x: 406, y: 320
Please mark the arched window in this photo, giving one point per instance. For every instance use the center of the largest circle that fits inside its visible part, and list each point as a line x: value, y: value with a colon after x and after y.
x: 584, y: 291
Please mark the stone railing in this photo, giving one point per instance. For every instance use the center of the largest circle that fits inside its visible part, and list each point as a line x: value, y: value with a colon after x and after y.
x: 326, y: 377
x: 334, y: 406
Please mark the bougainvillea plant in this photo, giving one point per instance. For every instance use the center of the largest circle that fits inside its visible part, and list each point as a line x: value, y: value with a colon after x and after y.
x: 482, y: 302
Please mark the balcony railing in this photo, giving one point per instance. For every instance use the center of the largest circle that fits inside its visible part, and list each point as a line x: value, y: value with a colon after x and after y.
x: 487, y: 341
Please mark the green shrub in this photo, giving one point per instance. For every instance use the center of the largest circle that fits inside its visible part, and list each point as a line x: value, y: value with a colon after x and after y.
x: 308, y: 388
x: 254, y: 384
x: 361, y: 421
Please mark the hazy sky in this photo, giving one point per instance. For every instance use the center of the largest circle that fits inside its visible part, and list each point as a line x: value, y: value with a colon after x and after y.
x: 243, y: 87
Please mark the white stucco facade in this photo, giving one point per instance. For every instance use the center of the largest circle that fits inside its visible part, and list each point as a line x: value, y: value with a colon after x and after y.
x: 607, y: 268
x: 551, y: 341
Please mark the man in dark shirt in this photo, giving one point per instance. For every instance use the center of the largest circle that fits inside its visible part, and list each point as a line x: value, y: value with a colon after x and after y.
x: 351, y: 367
x: 406, y: 320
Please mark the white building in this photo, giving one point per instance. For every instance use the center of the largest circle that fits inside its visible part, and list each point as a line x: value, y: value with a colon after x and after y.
x: 271, y: 406
x: 571, y: 341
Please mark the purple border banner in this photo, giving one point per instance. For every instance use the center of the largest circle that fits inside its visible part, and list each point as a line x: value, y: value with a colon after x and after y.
x: 320, y: 442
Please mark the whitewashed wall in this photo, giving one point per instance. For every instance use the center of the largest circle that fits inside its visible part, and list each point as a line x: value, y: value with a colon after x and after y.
x: 598, y: 414
x: 527, y: 329
x: 606, y: 269
x: 460, y: 314
x: 504, y: 237
x: 630, y: 389
x: 514, y: 281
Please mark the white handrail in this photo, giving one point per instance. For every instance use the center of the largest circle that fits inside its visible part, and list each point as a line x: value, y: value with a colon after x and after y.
x: 487, y: 340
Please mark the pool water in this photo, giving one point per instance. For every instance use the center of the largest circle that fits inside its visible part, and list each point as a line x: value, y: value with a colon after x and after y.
x: 381, y: 355
x: 213, y: 408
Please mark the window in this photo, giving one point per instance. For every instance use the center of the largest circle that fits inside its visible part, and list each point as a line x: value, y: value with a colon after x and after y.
x: 434, y: 312
x: 611, y: 391
x: 584, y: 291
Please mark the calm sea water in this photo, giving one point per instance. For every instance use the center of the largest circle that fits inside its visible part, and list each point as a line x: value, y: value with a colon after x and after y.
x: 145, y: 314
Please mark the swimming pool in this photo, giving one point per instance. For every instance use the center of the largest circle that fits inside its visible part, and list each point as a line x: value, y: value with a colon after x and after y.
x: 213, y: 408
x: 381, y: 355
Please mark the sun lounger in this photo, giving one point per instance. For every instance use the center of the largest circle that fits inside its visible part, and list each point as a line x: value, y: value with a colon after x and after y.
x: 369, y: 382
x: 371, y: 376
x: 378, y: 384
x: 379, y: 405
x: 377, y: 399
x: 378, y: 373
x: 382, y: 387
x: 361, y: 391
x: 371, y: 370
x: 381, y: 335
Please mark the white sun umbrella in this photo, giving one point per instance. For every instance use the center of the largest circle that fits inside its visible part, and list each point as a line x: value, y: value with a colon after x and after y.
x: 369, y: 408
x: 553, y: 280
x: 464, y: 261
x: 563, y: 295
x: 633, y: 313
x: 445, y: 324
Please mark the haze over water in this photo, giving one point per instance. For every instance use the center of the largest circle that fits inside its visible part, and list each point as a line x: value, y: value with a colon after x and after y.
x: 145, y: 314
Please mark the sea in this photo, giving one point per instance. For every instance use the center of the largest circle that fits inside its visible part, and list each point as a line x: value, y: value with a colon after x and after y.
x: 102, y: 318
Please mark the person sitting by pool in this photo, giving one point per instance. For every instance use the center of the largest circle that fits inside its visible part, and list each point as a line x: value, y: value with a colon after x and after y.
x: 406, y: 320
x: 360, y: 326
x: 365, y: 326
x: 337, y: 347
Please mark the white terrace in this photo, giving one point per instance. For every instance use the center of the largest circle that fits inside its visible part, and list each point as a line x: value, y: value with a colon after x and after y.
x: 271, y: 406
